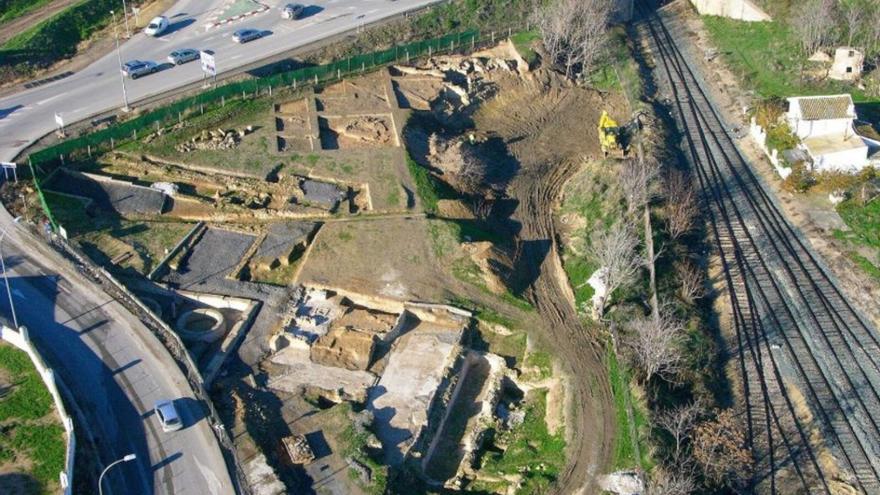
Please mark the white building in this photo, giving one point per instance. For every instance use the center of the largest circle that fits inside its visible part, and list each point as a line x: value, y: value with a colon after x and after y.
x: 847, y: 65
x: 824, y: 125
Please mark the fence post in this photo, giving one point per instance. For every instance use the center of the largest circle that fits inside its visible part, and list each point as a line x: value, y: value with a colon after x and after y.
x: 473, y: 42
x: 61, y: 157
x: 112, y: 145
x: 451, y: 46
x: 316, y: 79
x: 509, y: 32
x: 493, y: 37
x: 89, y: 149
x: 407, y: 55
x: 242, y: 95
x: 179, y: 118
x: 134, y: 134
x: 201, y: 108
x: 338, y: 73
x: 429, y: 50
x: 294, y: 83
x: 363, y: 66
x: 223, y: 101
x: 157, y: 126
x: 270, y: 90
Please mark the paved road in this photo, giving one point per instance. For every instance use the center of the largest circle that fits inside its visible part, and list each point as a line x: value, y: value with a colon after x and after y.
x: 116, y: 370
x: 27, y: 116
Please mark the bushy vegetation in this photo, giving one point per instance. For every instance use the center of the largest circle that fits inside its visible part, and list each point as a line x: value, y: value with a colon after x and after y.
x: 11, y: 9
x: 57, y: 37
x: 531, y: 445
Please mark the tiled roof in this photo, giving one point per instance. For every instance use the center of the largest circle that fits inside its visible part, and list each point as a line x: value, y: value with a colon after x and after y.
x: 825, y: 107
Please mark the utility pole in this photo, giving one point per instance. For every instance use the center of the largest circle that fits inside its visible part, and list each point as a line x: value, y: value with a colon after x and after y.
x: 125, y: 16
x: 125, y: 107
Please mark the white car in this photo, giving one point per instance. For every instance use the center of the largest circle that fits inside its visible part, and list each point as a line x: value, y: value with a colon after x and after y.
x: 168, y: 416
x: 157, y: 26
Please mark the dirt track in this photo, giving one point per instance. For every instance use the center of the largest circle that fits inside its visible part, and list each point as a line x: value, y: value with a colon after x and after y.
x: 25, y: 22
x: 545, y: 124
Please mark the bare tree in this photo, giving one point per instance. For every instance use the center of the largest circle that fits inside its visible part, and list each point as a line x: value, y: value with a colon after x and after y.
x: 574, y: 32
x: 615, y: 251
x: 852, y: 12
x: 655, y: 343
x: 813, y: 23
x: 679, y: 422
x: 666, y: 481
x: 636, y: 177
x: 692, y: 281
x: 681, y: 204
x: 719, y: 447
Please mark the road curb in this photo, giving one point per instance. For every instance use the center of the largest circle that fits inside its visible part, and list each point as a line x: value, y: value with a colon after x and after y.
x: 214, y: 24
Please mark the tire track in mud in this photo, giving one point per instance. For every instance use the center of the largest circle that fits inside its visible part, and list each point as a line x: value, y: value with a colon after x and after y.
x: 590, y: 436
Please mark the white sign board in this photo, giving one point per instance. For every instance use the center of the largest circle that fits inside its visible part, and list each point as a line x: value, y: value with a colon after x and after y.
x: 59, y: 120
x: 208, y: 65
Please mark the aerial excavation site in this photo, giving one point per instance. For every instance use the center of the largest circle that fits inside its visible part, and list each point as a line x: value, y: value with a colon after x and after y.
x: 417, y: 247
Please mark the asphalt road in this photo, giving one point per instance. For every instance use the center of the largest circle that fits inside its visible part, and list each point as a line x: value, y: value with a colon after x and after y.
x: 116, y: 370
x: 103, y: 353
x: 27, y: 116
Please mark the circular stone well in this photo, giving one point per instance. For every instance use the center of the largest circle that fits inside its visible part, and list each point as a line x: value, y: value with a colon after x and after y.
x: 202, y: 325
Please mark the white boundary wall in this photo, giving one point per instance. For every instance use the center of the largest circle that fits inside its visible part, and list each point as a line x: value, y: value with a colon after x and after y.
x: 741, y: 10
x: 21, y: 340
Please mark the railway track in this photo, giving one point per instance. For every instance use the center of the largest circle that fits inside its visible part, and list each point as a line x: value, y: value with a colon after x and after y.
x: 794, y: 329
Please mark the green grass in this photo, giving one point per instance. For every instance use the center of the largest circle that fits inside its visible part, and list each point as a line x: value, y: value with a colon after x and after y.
x: 864, y: 224
x: 11, y: 9
x: 523, y: 42
x: 532, y: 451
x: 624, y: 445
x: 29, y: 398
x: 30, y: 434
x: 768, y: 59
x: 542, y: 362
x: 430, y: 189
x: 354, y: 445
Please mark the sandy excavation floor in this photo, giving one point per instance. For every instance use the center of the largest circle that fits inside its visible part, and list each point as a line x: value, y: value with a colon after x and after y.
x: 356, y: 256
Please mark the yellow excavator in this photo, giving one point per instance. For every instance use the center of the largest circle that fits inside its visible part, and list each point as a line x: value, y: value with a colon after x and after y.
x: 615, y: 139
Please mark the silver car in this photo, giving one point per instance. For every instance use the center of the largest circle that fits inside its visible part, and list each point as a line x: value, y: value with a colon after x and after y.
x: 137, y: 68
x: 168, y: 416
x: 180, y: 57
x: 245, y: 35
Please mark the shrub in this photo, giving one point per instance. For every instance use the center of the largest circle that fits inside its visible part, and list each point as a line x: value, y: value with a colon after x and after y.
x: 800, y: 180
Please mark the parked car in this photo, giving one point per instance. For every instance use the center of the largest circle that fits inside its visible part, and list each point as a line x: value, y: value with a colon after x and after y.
x: 245, y: 35
x: 157, y: 26
x: 168, y: 416
x: 293, y: 11
x: 180, y: 57
x: 137, y: 68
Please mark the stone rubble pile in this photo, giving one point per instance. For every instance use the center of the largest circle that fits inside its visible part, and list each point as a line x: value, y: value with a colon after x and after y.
x: 219, y: 139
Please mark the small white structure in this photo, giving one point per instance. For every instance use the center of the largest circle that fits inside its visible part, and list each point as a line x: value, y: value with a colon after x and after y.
x: 169, y: 188
x: 824, y: 124
x: 847, y: 65
x: 741, y: 10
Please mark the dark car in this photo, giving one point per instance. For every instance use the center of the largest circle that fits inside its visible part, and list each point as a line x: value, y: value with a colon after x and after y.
x: 179, y: 57
x: 245, y: 35
x: 137, y: 68
x: 293, y: 11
